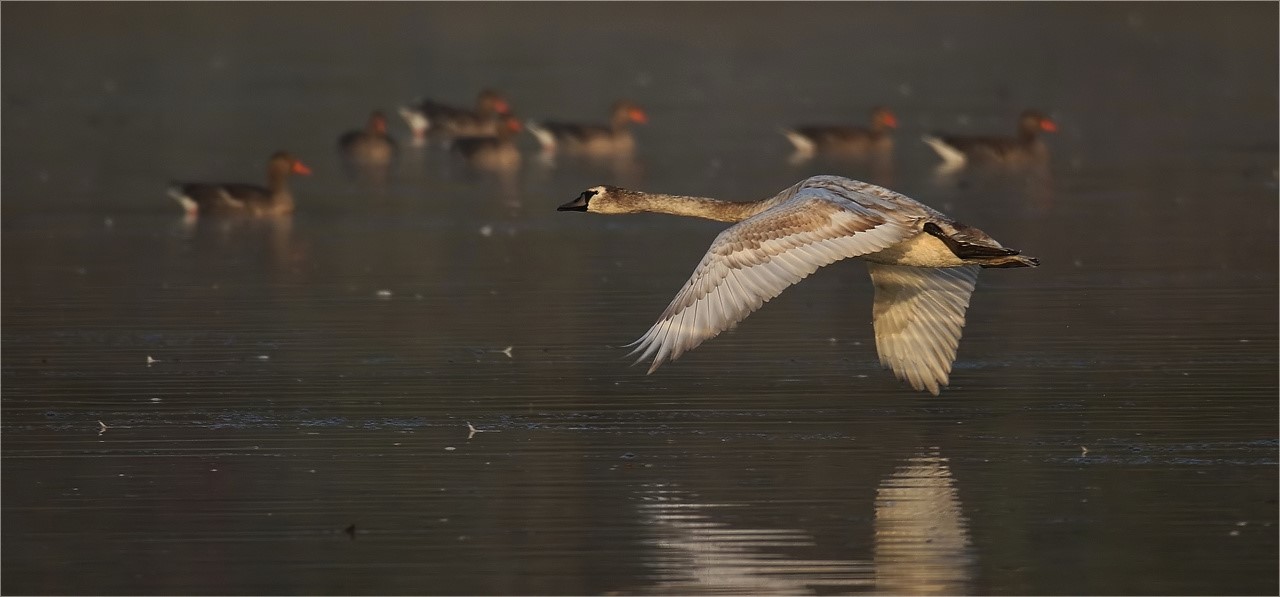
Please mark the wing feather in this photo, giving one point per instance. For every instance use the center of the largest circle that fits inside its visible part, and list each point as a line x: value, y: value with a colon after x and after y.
x: 919, y: 316
x: 756, y: 259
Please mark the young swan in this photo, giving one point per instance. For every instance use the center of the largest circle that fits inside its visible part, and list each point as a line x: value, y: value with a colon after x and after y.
x: 923, y: 265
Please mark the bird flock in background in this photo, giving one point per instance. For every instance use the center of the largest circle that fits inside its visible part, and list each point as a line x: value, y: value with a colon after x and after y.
x: 485, y: 138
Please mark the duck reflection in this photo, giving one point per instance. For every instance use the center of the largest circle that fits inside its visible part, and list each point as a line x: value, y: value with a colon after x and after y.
x: 921, y: 543
x: 271, y: 239
x: 1032, y: 181
x: 623, y: 169
x: 876, y: 167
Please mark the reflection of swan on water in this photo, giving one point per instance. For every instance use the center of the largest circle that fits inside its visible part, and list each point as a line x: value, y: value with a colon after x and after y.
x: 921, y: 543
x: 922, y: 537
x: 697, y: 554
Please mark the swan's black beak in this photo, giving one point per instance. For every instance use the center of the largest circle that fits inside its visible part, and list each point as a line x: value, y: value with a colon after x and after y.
x: 576, y: 205
x: 579, y: 204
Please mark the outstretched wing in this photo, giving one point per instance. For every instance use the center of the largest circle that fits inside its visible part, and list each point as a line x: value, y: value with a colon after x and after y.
x: 756, y: 259
x: 919, y: 314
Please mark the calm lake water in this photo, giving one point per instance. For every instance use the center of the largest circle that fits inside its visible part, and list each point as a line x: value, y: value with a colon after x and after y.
x: 284, y: 406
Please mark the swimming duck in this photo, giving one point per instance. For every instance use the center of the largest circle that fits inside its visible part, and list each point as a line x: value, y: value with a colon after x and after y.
x: 371, y: 146
x: 240, y: 198
x: 810, y: 139
x: 1025, y: 147
x: 923, y: 264
x: 592, y: 139
x: 497, y: 152
x: 426, y: 115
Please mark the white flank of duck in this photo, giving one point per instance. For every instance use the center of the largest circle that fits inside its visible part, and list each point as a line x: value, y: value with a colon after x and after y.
x: 923, y: 265
x: 951, y: 157
x: 802, y: 143
x: 545, y: 138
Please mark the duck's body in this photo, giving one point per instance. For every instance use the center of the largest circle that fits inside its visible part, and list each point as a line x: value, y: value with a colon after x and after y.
x: 496, y: 152
x: 241, y: 198
x: 612, y: 139
x: 430, y: 116
x: 371, y: 146
x: 1025, y: 147
x: 923, y: 265
x: 846, y: 140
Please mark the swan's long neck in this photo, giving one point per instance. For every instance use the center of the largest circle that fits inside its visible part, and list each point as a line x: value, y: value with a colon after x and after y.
x: 700, y: 207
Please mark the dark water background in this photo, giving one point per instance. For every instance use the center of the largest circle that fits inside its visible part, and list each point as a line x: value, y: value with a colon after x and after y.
x: 1111, y: 425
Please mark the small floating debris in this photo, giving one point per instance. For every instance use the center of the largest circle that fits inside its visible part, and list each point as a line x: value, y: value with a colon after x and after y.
x: 486, y: 231
x: 1084, y: 451
x: 155, y: 399
x: 472, y: 431
x: 449, y: 448
x: 151, y: 361
x: 263, y: 357
x: 506, y: 351
x: 384, y: 293
x: 102, y: 428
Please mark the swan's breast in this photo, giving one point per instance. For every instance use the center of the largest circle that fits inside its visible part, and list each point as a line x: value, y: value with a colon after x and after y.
x: 921, y: 250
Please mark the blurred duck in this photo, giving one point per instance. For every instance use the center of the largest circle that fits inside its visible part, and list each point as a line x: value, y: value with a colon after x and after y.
x: 923, y: 264
x: 592, y: 139
x: 429, y: 116
x: 241, y: 198
x: 853, y: 140
x: 1024, y: 148
x: 371, y: 146
x: 496, y: 152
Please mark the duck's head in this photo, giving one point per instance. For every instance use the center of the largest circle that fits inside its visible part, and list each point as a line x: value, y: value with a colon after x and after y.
x: 1033, y: 122
x: 603, y: 199
x: 492, y: 101
x: 882, y: 118
x: 509, y: 125
x: 377, y: 123
x: 630, y: 112
x: 283, y: 162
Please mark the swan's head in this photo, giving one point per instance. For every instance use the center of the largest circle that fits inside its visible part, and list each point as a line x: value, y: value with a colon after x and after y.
x: 603, y: 199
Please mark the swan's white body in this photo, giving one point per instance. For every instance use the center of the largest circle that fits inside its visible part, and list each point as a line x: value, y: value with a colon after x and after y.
x: 923, y: 265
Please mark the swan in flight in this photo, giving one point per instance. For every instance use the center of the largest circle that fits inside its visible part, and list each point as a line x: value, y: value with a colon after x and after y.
x: 923, y: 265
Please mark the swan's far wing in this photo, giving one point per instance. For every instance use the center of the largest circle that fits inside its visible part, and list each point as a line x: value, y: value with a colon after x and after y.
x: 919, y: 315
x: 756, y: 259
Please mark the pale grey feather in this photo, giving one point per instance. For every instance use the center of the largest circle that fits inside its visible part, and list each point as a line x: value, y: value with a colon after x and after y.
x: 919, y: 315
